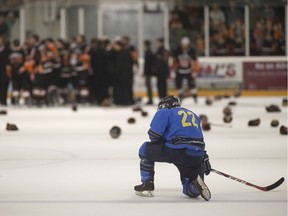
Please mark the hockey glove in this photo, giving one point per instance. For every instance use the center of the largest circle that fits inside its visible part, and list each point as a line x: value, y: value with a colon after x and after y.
x: 207, y: 165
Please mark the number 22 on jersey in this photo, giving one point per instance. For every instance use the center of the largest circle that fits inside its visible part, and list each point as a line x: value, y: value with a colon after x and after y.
x: 184, y: 121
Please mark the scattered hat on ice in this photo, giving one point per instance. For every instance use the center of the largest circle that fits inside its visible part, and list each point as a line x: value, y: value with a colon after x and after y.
x: 74, y: 107
x: 232, y: 103
x: 206, y: 126
x: 203, y: 118
x: 137, y: 109
x: 273, y: 108
x: 3, y: 112
x: 209, y: 101
x: 144, y: 113
x: 283, y: 130
x: 115, y: 132
x: 227, y: 118
x: 254, y: 122
x: 11, y: 127
x: 274, y: 123
x: 227, y: 110
x: 131, y: 120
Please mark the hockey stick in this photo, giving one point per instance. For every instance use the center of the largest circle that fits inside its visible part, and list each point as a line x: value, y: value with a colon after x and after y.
x: 267, y: 188
x: 221, y: 125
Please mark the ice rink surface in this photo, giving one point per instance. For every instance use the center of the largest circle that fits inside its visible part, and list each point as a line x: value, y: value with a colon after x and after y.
x: 62, y: 162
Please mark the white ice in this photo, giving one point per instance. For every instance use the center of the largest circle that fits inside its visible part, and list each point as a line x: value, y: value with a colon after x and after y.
x: 62, y: 162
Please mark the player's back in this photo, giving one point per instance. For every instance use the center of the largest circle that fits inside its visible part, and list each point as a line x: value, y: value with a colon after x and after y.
x: 184, y: 132
x: 182, y: 123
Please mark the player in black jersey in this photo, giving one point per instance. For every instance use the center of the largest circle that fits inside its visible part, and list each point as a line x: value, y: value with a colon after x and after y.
x: 186, y: 69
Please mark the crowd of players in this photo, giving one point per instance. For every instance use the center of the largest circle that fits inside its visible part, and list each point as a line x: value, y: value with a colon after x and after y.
x: 53, y: 72
x: 57, y: 71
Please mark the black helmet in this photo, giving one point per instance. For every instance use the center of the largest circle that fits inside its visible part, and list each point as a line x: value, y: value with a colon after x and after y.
x: 169, y: 102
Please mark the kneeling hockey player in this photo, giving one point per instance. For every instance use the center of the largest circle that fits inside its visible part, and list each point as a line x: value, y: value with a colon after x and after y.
x: 176, y: 137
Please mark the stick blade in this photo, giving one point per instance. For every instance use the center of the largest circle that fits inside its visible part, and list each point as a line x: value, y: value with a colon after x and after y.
x: 275, y: 185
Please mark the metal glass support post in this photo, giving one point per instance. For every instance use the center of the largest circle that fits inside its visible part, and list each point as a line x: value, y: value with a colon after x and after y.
x: 99, y: 21
x: 81, y: 21
x: 22, y: 26
x: 247, y: 31
x: 63, y: 24
x: 166, y: 25
x: 140, y: 30
x: 206, y: 30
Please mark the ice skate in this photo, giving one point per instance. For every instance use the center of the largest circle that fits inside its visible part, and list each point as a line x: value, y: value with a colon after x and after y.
x: 200, y: 185
x: 145, y: 189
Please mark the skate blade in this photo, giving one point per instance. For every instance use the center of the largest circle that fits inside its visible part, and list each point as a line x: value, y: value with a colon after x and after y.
x: 205, y: 192
x: 144, y: 193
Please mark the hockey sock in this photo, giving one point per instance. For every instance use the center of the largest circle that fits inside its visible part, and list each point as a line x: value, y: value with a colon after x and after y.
x: 146, y: 170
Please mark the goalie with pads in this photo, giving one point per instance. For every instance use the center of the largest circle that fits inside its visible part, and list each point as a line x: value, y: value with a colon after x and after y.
x: 176, y: 137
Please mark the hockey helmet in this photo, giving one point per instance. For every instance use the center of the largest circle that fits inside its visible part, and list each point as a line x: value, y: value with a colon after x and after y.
x: 185, y: 41
x: 169, y: 102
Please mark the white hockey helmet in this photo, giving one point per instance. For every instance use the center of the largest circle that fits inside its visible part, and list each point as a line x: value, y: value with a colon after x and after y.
x: 185, y: 41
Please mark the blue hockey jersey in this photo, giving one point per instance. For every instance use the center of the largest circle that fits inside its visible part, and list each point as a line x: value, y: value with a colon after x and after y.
x: 179, y: 128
